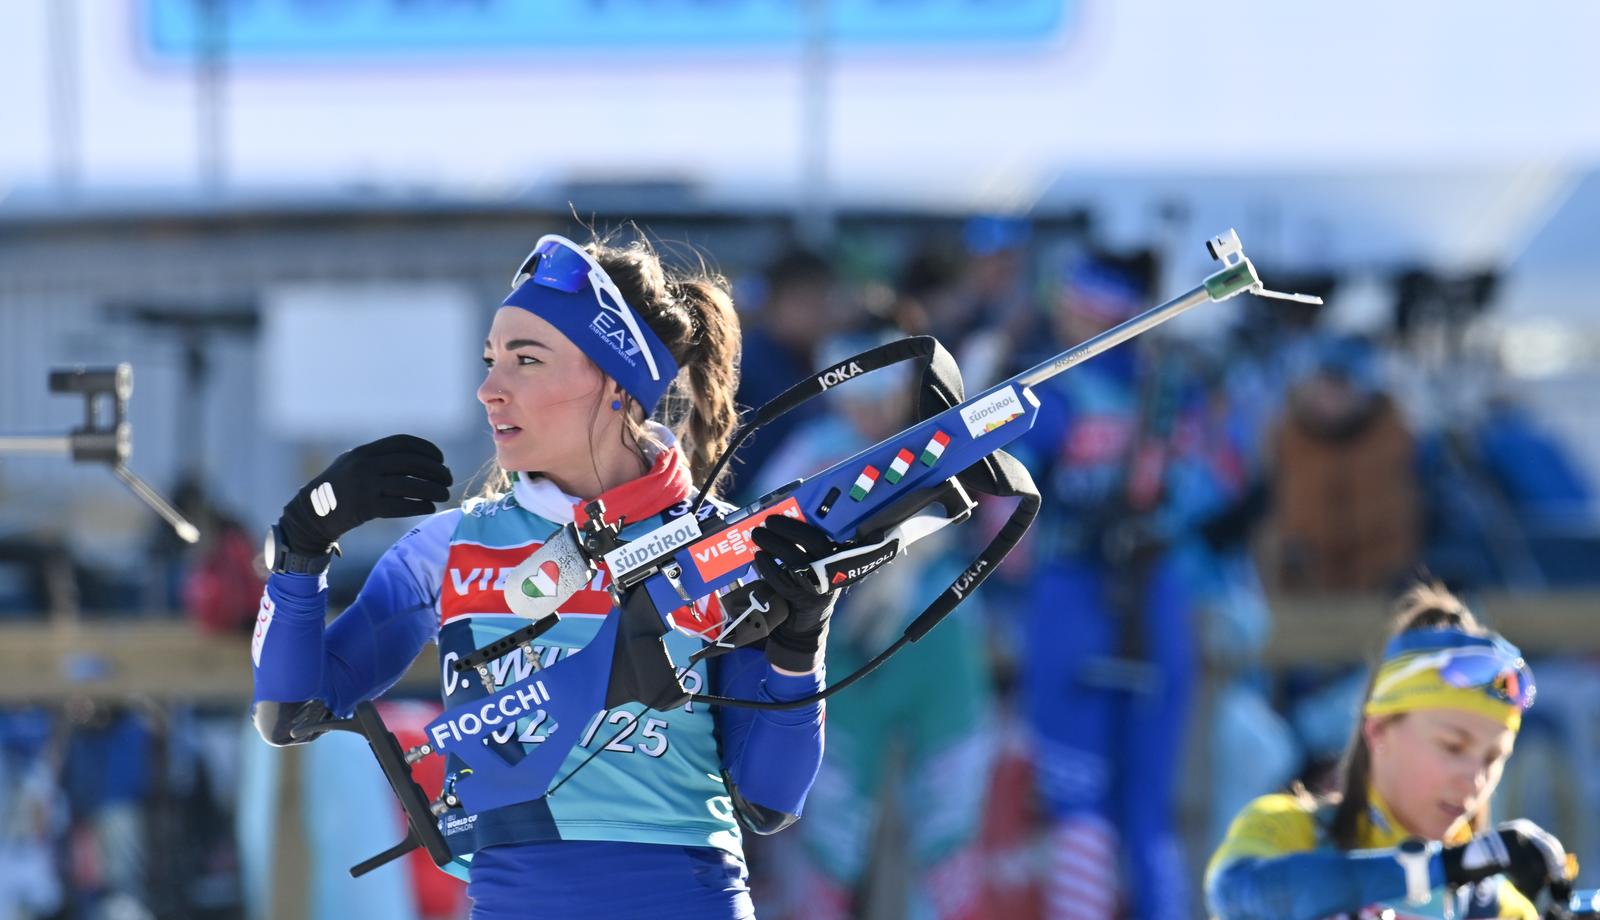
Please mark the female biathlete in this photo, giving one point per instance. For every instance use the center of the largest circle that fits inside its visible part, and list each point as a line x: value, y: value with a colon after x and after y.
x: 1409, y: 834
x: 606, y: 376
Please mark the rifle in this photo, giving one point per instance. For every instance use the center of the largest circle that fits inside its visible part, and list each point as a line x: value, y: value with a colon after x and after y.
x: 874, y: 505
x: 1569, y: 903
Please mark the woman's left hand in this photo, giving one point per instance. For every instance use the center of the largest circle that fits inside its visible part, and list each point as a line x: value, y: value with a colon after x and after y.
x: 1530, y: 856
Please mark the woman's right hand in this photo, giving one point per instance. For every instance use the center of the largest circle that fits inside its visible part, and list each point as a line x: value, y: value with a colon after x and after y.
x: 796, y: 644
x: 398, y: 476
x: 1527, y: 854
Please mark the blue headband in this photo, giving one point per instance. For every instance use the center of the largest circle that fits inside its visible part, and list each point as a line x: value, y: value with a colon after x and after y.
x: 563, y: 285
x: 1419, y: 640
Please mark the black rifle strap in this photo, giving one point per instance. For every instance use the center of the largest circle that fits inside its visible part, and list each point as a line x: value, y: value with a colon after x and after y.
x: 940, y: 389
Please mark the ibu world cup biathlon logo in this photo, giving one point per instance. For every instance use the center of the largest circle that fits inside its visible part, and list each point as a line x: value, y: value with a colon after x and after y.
x: 544, y: 582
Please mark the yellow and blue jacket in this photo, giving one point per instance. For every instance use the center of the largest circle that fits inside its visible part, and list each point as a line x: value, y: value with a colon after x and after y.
x: 1278, y: 862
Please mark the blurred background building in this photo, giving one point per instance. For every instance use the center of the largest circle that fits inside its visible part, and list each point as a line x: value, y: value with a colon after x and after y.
x: 258, y: 204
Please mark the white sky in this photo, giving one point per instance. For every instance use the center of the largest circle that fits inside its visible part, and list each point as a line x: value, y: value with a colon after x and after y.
x: 1135, y: 86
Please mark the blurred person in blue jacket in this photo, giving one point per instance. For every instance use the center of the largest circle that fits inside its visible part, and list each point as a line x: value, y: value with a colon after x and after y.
x: 1123, y: 454
x: 980, y: 310
x: 1273, y: 344
x: 916, y: 730
x: 1506, y: 503
x: 608, y: 376
x: 106, y: 775
x: 34, y: 814
x: 780, y: 348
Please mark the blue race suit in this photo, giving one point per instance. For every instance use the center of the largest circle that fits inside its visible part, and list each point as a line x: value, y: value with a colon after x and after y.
x: 657, y: 809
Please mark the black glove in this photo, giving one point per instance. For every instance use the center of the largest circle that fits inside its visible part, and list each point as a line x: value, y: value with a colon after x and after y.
x: 1524, y: 852
x: 795, y: 644
x: 399, y: 476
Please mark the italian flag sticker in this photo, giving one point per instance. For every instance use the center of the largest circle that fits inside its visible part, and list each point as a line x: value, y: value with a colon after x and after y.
x: 935, y: 448
x: 543, y: 582
x: 864, y: 483
x: 897, y: 469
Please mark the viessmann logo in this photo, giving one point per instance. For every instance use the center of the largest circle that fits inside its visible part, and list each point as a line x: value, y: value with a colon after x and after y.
x: 732, y: 548
x: 475, y: 576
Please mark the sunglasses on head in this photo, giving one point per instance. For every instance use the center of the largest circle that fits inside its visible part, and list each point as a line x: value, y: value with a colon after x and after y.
x: 562, y: 265
x: 1494, y: 666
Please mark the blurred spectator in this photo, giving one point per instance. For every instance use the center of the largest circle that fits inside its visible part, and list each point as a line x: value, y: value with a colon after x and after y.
x: 1533, y: 468
x: 166, y: 555
x: 38, y: 578
x: 780, y: 343
x: 41, y: 577
x: 981, y: 312
x: 216, y: 583
x: 107, y: 779
x: 1347, y: 513
x: 1250, y: 748
x: 1506, y: 504
x: 1119, y: 454
x: 222, y: 586
x: 926, y: 278
x: 916, y: 730
x: 32, y: 815
x: 1270, y: 347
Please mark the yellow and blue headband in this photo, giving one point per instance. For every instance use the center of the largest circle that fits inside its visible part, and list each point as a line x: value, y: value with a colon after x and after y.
x: 1451, y: 669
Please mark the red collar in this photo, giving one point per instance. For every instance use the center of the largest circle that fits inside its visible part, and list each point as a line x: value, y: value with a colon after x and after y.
x: 665, y: 484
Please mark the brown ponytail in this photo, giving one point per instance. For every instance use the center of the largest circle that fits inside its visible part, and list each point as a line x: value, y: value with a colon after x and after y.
x: 692, y: 311
x: 711, y: 364
x: 1427, y: 605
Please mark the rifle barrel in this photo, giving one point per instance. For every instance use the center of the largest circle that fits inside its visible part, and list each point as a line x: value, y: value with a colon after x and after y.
x: 1114, y: 336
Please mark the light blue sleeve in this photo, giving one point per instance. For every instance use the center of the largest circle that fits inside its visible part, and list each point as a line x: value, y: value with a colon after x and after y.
x: 1310, y: 885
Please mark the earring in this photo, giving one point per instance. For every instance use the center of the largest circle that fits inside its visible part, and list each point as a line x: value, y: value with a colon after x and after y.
x: 616, y: 405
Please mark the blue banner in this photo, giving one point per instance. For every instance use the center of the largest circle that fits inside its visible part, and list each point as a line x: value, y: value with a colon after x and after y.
x: 319, y: 27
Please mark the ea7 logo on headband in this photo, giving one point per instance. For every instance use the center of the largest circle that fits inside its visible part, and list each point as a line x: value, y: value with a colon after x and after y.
x: 837, y: 375
x: 607, y: 327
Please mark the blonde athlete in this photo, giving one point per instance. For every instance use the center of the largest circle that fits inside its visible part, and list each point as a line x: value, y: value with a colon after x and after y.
x: 1409, y: 835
